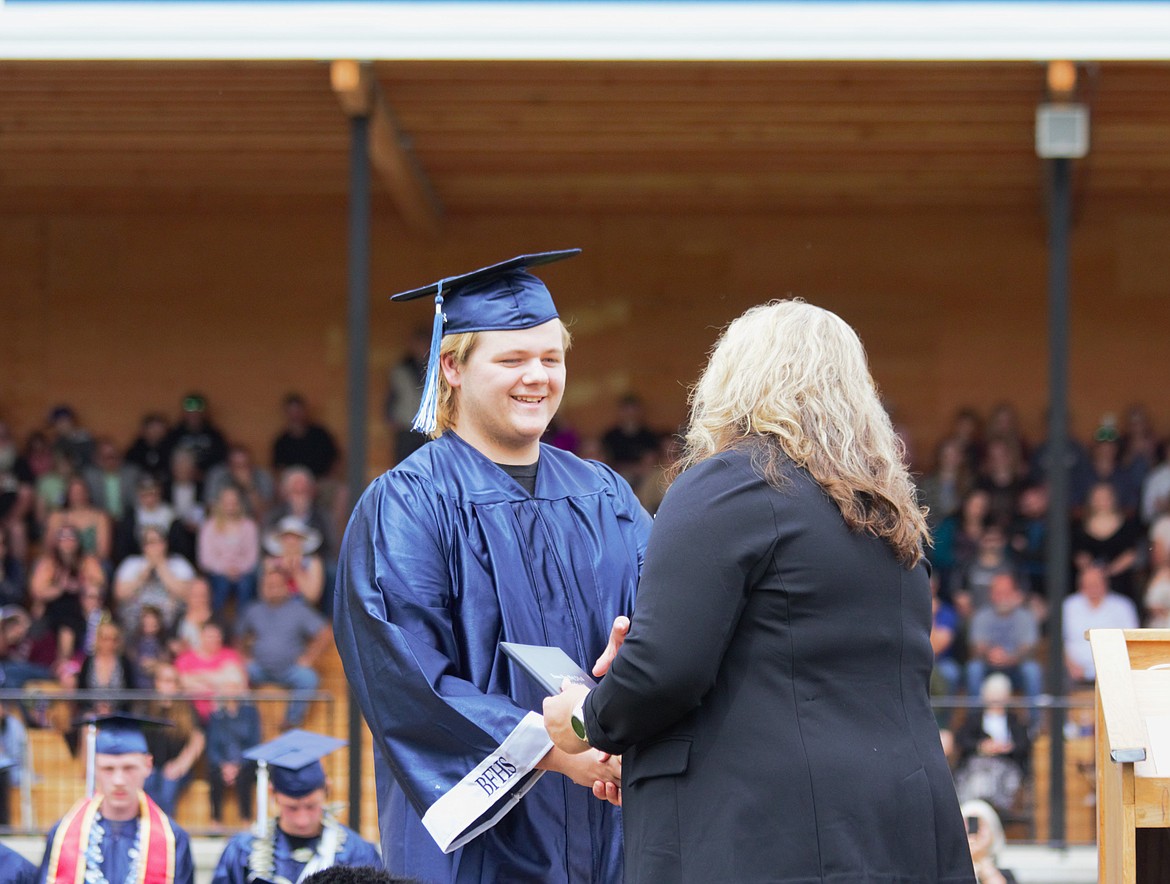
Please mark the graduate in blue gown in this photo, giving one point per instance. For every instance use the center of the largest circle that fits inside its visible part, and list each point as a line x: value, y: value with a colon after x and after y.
x: 482, y: 536
x: 106, y: 837
x: 303, y: 838
x: 14, y: 868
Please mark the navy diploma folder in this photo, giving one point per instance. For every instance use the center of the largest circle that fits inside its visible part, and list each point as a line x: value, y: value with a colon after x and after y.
x: 548, y: 666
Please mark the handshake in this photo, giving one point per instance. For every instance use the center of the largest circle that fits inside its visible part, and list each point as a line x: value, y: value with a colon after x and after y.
x: 572, y: 755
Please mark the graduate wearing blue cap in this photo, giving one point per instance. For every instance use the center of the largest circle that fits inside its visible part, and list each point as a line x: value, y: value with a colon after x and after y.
x: 303, y: 838
x: 118, y: 834
x: 14, y: 868
x: 482, y: 536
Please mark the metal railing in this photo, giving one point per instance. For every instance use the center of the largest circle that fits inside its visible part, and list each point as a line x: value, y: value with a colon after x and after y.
x: 51, y: 770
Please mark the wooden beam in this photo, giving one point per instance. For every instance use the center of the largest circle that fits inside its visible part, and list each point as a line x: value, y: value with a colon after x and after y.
x: 390, y: 151
x: 400, y: 170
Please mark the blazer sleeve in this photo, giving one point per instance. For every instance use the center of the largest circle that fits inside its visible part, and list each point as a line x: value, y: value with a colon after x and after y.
x: 713, y: 537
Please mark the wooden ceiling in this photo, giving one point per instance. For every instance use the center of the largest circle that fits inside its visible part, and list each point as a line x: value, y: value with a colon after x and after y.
x: 573, y: 136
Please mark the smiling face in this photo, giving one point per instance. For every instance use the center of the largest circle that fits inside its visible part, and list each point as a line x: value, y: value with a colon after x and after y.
x: 508, y: 390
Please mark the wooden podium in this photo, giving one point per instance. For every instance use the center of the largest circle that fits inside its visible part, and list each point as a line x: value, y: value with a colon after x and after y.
x: 1133, y: 754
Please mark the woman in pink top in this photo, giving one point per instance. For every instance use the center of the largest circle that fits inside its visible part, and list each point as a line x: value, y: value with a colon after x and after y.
x: 211, y: 669
x: 229, y: 550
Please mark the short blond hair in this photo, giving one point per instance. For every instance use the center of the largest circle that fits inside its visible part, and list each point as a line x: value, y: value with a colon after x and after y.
x: 795, y: 377
x: 460, y: 347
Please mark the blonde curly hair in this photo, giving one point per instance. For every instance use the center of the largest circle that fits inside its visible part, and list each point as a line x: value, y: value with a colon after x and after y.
x: 794, y: 377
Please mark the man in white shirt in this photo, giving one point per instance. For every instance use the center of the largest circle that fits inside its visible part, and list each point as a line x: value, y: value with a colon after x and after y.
x: 1093, y: 606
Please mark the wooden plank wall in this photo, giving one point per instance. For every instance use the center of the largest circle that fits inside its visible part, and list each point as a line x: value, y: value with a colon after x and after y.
x: 123, y: 313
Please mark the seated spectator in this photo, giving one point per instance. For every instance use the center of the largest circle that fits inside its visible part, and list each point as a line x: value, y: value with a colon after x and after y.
x: 149, y: 452
x: 1002, y: 478
x: 283, y: 637
x: 106, y: 669
x: 956, y: 542
x: 629, y: 439
x: 149, y: 646
x: 229, y: 551
x: 1105, y: 467
x: 233, y: 727
x: 1001, y: 639
x: 91, y: 523
x: 70, y: 438
x: 13, y: 749
x: 991, y: 558
x: 209, y: 666
x: 149, y: 511
x: 154, y: 578
x: 55, y: 590
x: 1156, y: 489
x: 986, y: 840
x: 12, y: 576
x: 1158, y: 600
x: 1106, y: 535
x: 295, y: 543
x: 303, y: 443
x: 196, y: 432
x: 50, y: 491
x: 942, y: 491
x: 253, y: 482
x: 197, y: 611
x: 944, y: 633
x: 994, y: 748
x: 112, y: 481
x: 175, y: 749
x: 1029, y: 538
x: 16, y: 645
x: 1092, y: 606
x: 298, y: 497
x: 184, y: 493
x: 17, y: 495
x: 76, y: 638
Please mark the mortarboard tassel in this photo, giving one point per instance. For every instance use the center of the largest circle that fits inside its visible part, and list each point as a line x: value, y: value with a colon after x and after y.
x: 427, y: 417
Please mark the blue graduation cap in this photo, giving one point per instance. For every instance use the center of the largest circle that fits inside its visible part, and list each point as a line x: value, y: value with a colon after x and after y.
x: 494, y: 298
x: 121, y: 732
x: 293, y: 761
x: 117, y: 733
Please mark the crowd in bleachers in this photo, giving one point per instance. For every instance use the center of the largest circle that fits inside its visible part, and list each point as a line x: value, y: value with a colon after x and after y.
x: 987, y: 493
x: 179, y: 566
x: 184, y: 565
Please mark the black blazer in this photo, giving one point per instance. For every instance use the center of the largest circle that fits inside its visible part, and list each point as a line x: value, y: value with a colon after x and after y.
x: 772, y: 699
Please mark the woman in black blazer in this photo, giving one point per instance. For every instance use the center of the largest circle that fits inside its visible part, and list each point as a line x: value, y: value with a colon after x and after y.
x: 771, y: 700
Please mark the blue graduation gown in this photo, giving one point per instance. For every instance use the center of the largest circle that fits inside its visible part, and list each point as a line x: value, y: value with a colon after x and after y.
x: 116, y: 843
x: 233, y: 862
x: 446, y: 556
x: 14, y: 868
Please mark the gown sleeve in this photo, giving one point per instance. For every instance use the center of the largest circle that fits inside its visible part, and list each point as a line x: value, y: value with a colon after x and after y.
x: 462, y: 757
x: 233, y: 861
x: 184, y: 863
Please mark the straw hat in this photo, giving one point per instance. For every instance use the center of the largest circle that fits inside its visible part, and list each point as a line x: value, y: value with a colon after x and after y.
x: 292, y: 525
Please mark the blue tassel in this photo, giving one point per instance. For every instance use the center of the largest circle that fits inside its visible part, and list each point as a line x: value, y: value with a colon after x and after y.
x: 427, y: 417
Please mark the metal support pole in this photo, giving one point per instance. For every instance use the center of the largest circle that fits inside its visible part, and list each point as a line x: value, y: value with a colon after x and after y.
x: 1058, y: 480
x: 358, y: 359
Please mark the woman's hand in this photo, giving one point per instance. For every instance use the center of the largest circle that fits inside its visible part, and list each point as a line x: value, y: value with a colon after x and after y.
x: 558, y: 711
x: 617, y: 636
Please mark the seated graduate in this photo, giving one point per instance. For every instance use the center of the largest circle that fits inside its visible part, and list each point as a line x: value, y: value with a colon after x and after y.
x: 118, y: 833
x: 303, y: 837
x: 14, y: 868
